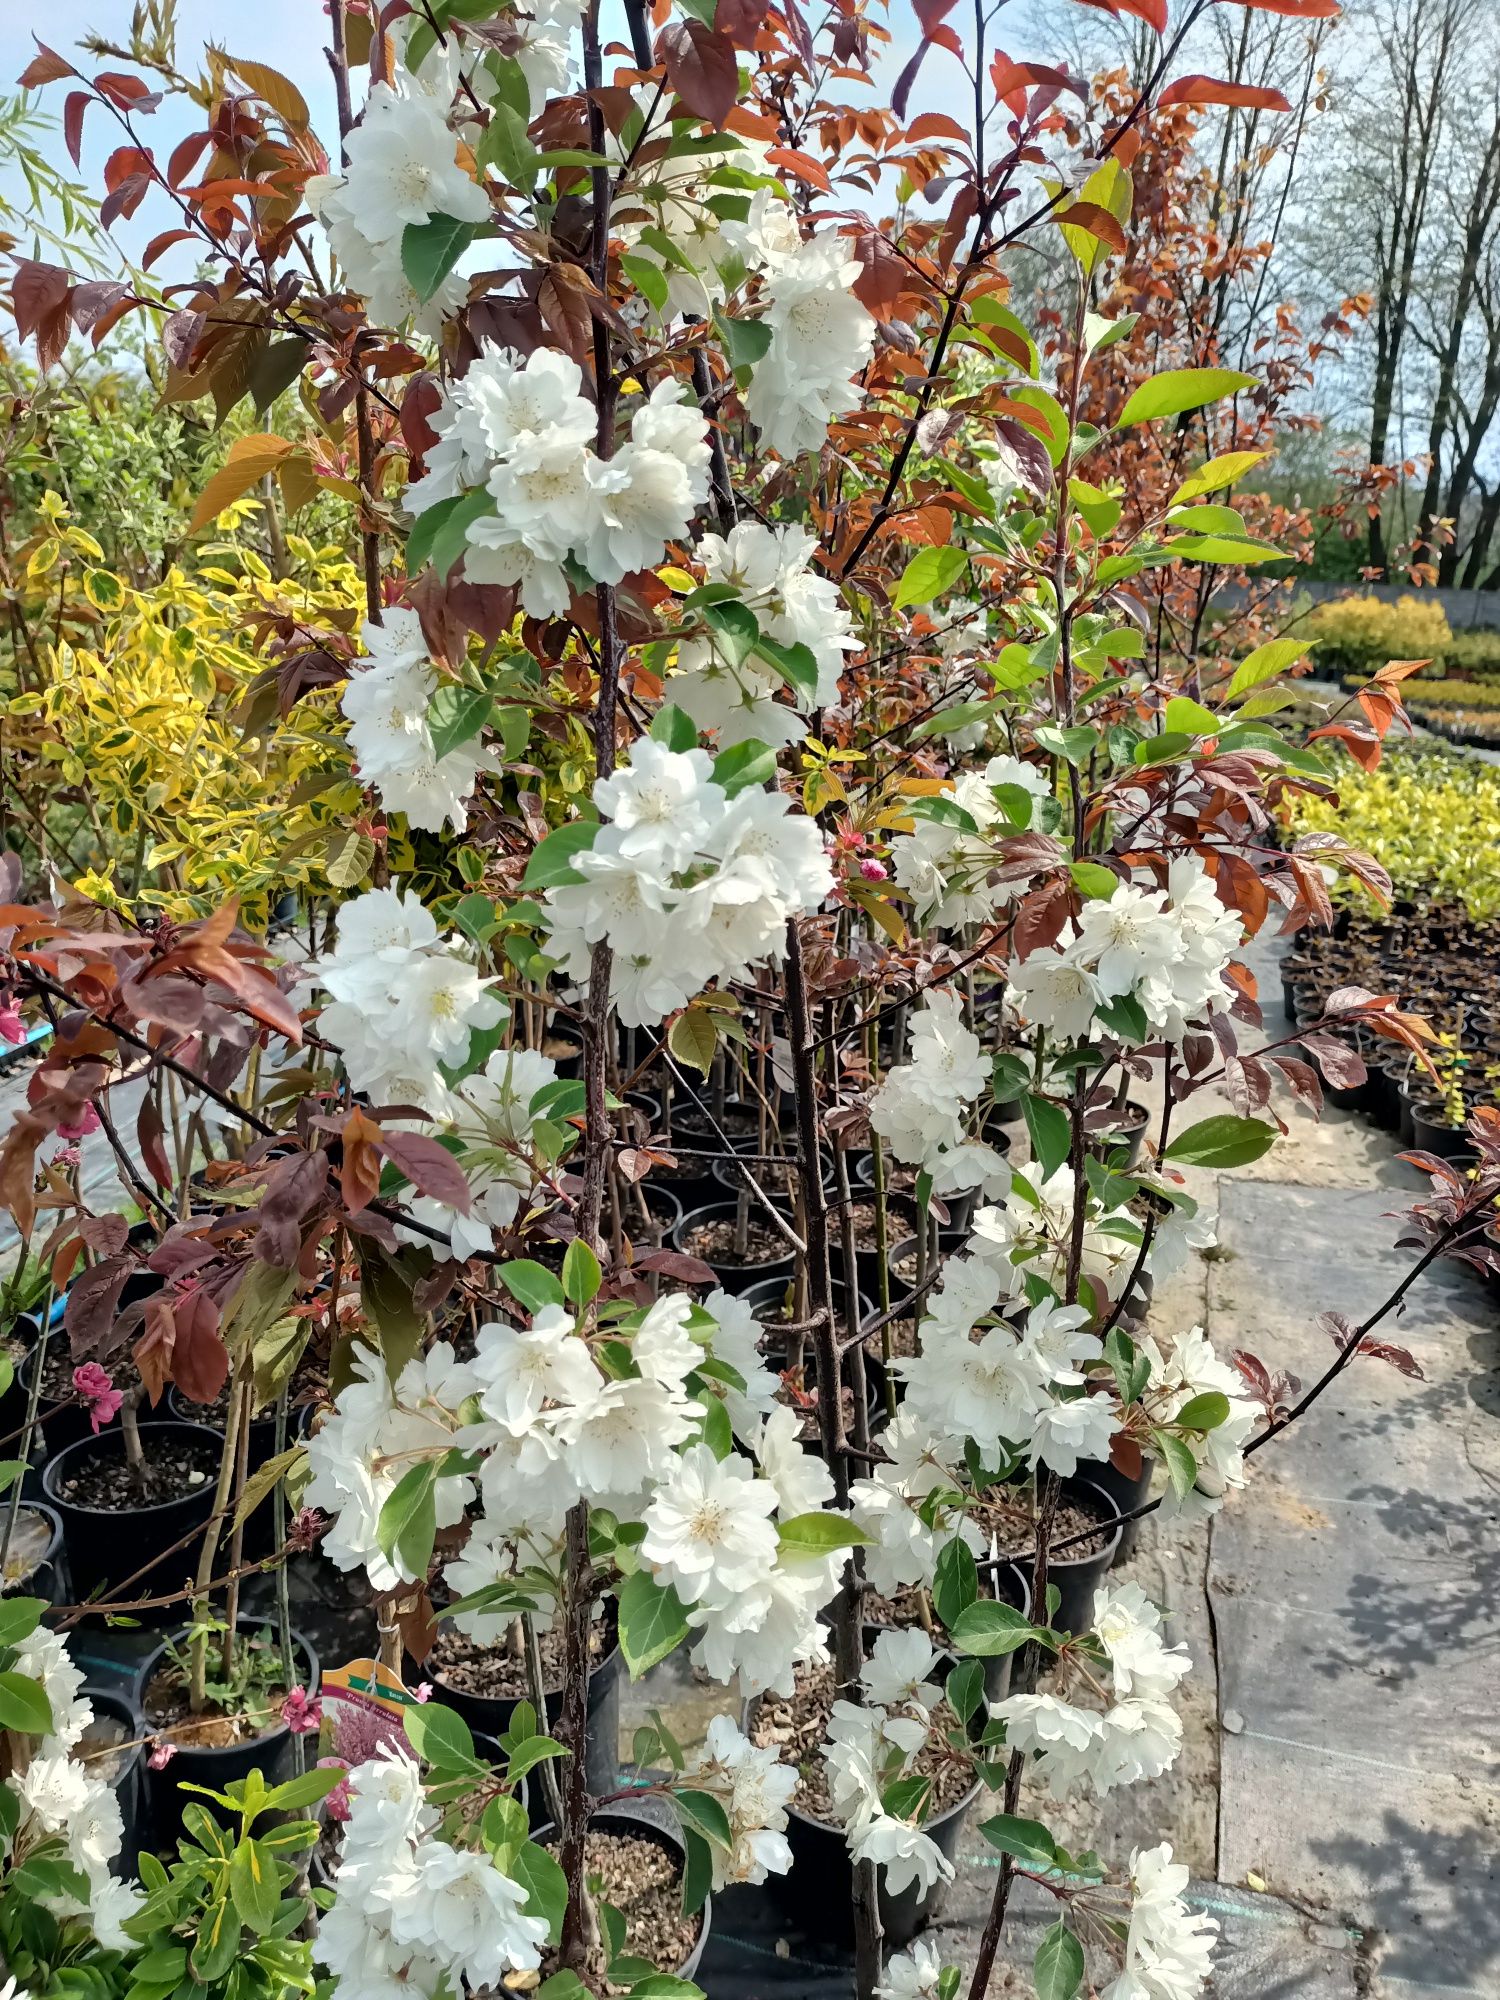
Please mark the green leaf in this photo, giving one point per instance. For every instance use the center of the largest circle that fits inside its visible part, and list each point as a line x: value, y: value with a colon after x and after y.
x: 255, y: 1886
x: 532, y: 1283
x: 704, y: 1811
x: 1264, y: 664
x: 581, y: 1276
x: 304, y: 1790
x: 1216, y: 474
x: 552, y: 860
x: 430, y: 249
x: 1057, y: 1968
x: 652, y: 1622
x: 1181, y: 389
x: 797, y: 666
x: 454, y: 714
x: 674, y: 728
x: 1225, y: 549
x: 693, y: 1037
x: 1205, y: 1412
x: 1222, y: 1141
x: 563, y: 1986
x: 504, y: 145
x: 440, y: 534
x: 1027, y: 1839
x: 736, y: 629
x: 545, y: 1884
x: 746, y: 341
x: 955, y: 1584
x: 988, y: 1629
x: 1074, y: 746
x: 1181, y: 1464
x: 698, y: 1875
x: 218, y: 1943
x: 718, y: 1432
x: 1131, y: 1369
x: 407, y: 1526
x: 649, y: 279
x: 1050, y: 1130
x: 19, y: 1617
x: 1123, y: 1016
x: 965, y: 1688
x: 1094, y: 880
x: 930, y: 573
x: 440, y: 1736
x: 24, y: 1705
x: 1184, y: 716
x: 535, y: 1750
x: 820, y: 1534
x: 744, y: 764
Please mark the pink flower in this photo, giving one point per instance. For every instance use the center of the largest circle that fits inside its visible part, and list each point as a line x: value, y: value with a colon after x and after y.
x: 336, y: 1805
x: 80, y: 1127
x: 12, y: 1027
x: 67, y: 1156
x: 307, y: 1529
x: 422, y: 1691
x: 301, y: 1712
x: 162, y: 1753
x: 873, y: 871
x: 100, y: 1395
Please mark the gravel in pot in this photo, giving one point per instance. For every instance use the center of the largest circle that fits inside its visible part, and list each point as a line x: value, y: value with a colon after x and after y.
x: 639, y: 1862
x: 738, y: 1261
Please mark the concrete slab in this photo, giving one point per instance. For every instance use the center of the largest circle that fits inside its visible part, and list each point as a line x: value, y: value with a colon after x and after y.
x: 1354, y: 1595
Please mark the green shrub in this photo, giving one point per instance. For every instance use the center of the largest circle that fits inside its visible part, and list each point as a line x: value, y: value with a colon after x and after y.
x: 1355, y: 635
x: 1472, y: 653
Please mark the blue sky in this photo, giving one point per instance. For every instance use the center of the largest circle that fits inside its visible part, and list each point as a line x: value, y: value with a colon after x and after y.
x: 290, y: 34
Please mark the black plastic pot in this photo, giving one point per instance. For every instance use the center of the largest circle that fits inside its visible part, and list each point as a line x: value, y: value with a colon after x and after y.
x: 127, y: 1784
x: 766, y: 1297
x: 816, y: 1890
x: 779, y: 1182
x: 270, y: 1753
x: 1405, y: 1120
x: 104, y: 1547
x: 262, y: 1428
x: 490, y: 1715
x: 1433, y: 1134
x: 761, y: 1297
x: 1078, y: 1576
x: 661, y: 1204
x: 642, y: 1821
x: 1126, y: 1493
x: 737, y: 1278
x: 34, y: 1570
x: 1128, y: 1131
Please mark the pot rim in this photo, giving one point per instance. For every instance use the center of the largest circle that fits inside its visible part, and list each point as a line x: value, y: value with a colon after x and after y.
x: 607, y: 1660
x: 143, y: 1680
x: 106, y: 1439
x: 706, y: 1210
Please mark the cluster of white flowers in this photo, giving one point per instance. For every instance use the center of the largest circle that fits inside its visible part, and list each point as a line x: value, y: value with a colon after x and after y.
x: 491, y: 1115
x: 521, y: 428
x: 873, y: 1743
x: 539, y: 36
x: 820, y: 336
x: 753, y: 1786
x: 405, y: 1000
x: 718, y: 237
x: 1015, y: 1384
x: 895, y: 1505
x: 402, y: 168
x: 1166, y: 950
x: 1169, y: 1948
x: 1137, y: 1736
x: 1190, y: 1368
x: 1030, y: 1234
x: 945, y: 867
x: 386, y: 703
x: 411, y: 1913
x: 923, y: 1106
x: 685, y: 883
x: 551, y: 1426
x: 733, y: 693
x: 912, y: 1975
x: 60, y: 1800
